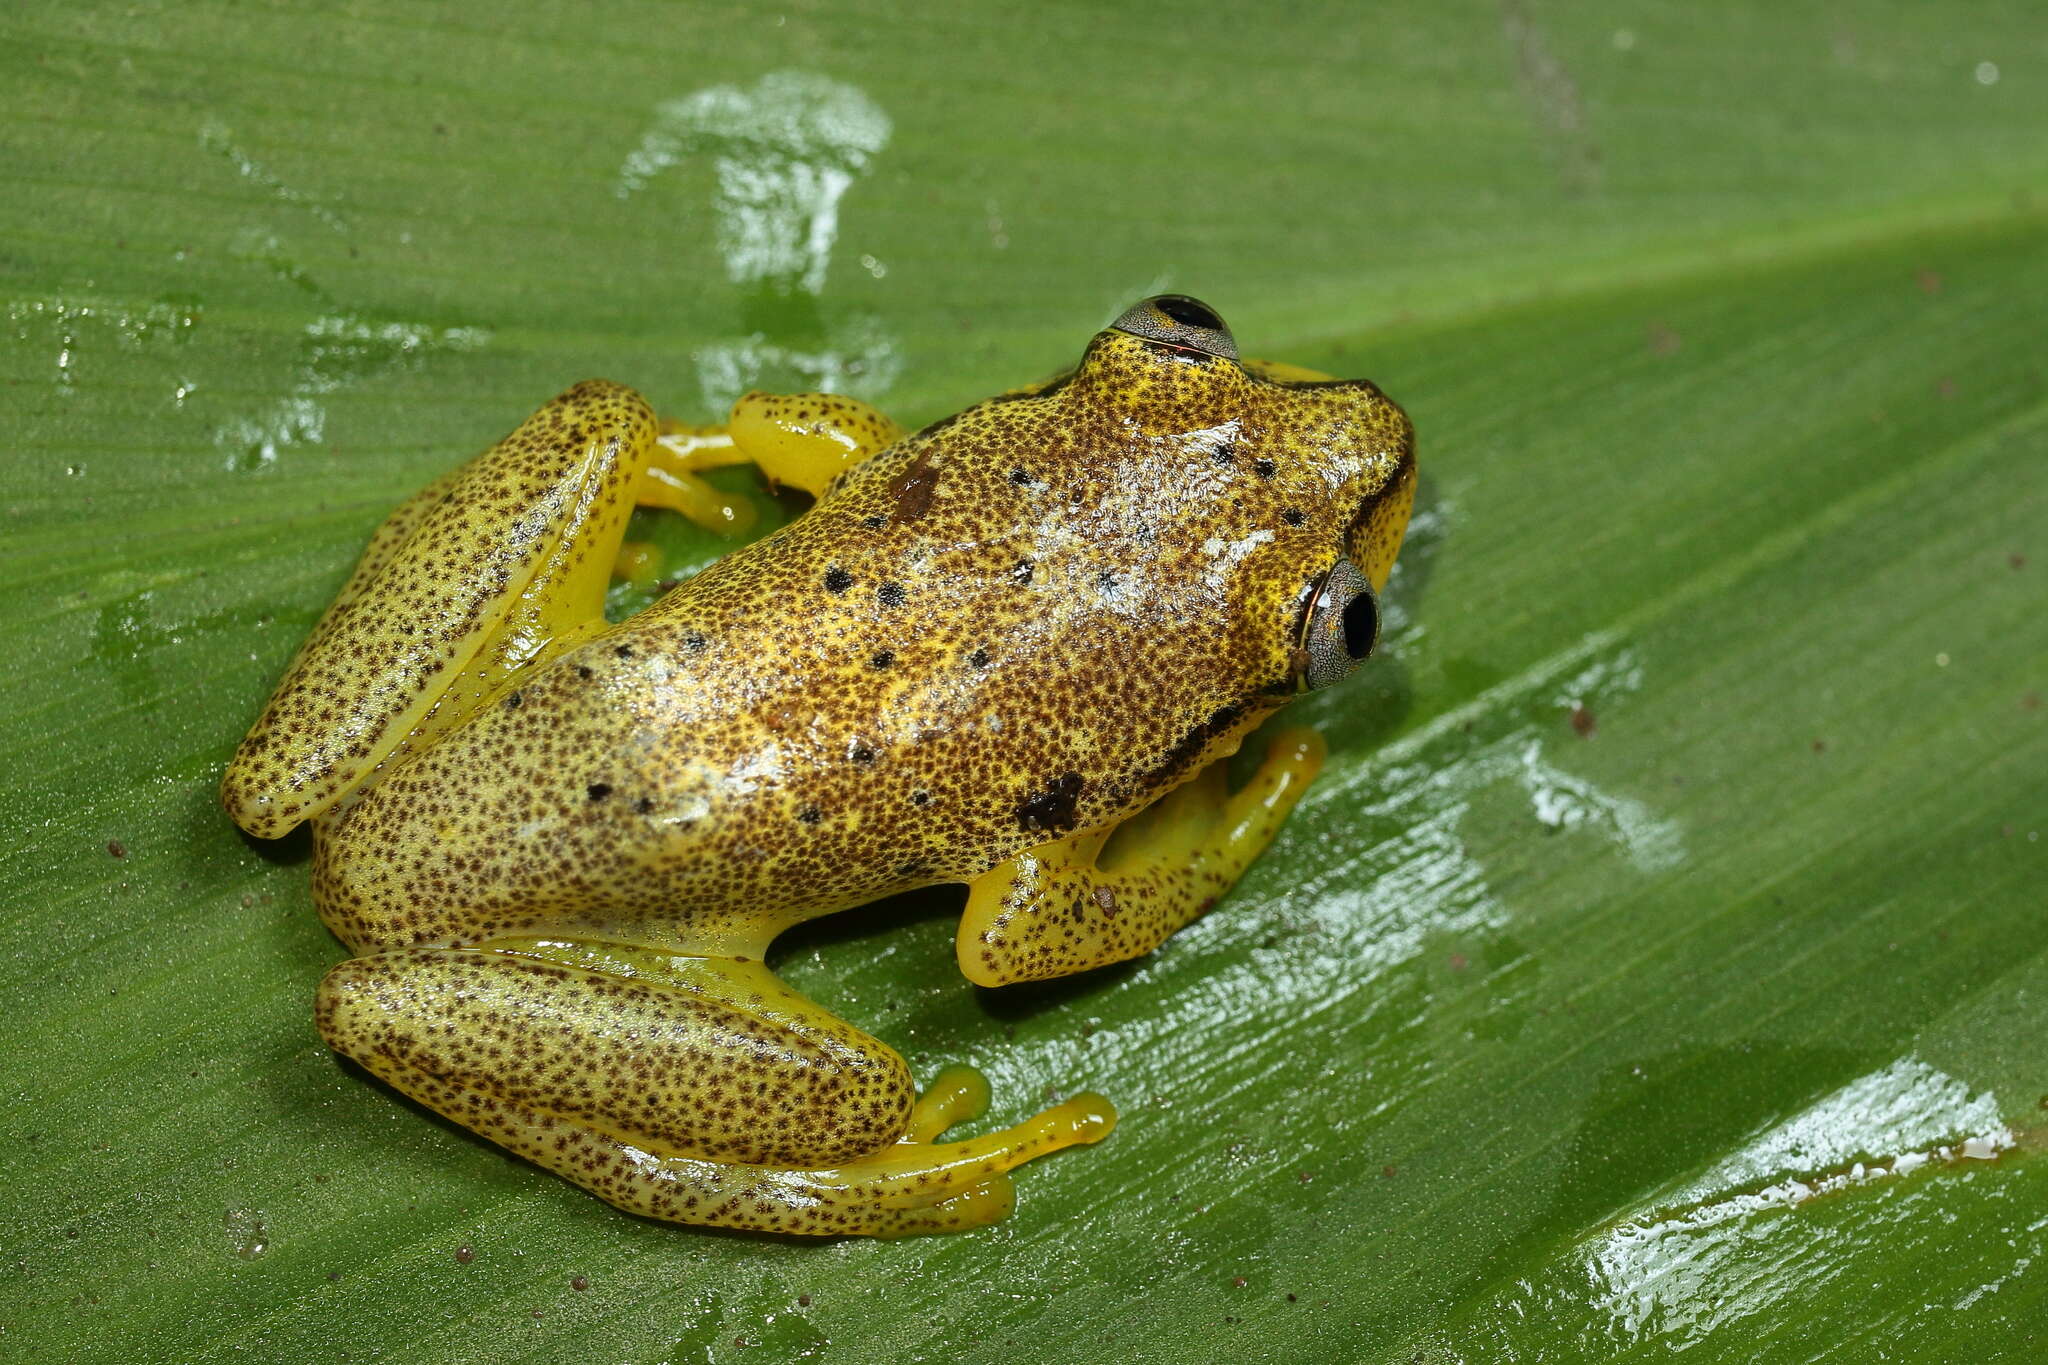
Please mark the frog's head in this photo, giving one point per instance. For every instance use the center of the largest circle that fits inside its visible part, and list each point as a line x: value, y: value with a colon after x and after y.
x: 1307, y: 480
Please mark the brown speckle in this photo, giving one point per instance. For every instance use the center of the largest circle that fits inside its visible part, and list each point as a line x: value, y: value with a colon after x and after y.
x: 464, y: 1255
x: 837, y: 580
x: 1582, y: 720
x: 116, y: 849
x: 916, y: 488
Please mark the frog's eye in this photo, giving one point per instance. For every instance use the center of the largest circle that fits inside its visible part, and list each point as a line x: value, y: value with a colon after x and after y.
x: 1181, y: 321
x: 1340, y: 627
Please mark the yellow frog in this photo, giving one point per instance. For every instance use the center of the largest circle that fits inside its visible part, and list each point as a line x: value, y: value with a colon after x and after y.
x: 560, y: 848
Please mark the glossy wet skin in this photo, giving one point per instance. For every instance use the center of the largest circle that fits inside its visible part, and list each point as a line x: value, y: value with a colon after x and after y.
x: 1031, y: 619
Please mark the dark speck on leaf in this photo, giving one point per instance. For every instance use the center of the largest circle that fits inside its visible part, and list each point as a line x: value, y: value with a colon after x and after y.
x: 624, y: 651
x: 837, y: 579
x: 979, y: 658
x: 875, y: 521
x: 644, y: 806
x: 695, y: 643
x: 881, y: 658
x: 583, y: 672
x: 891, y: 594
x: 1265, y: 468
x: 810, y: 815
x: 1020, y: 476
x: 599, y: 790
x: 861, y: 754
x: 1294, y: 516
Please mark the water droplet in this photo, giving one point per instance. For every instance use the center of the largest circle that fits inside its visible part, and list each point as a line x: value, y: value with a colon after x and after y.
x: 246, y: 1232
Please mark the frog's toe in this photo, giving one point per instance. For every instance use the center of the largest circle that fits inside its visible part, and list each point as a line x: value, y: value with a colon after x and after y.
x: 956, y: 1094
x: 977, y: 1206
x: 919, y: 1187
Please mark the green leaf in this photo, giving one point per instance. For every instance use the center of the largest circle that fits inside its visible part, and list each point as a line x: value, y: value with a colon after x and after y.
x: 1661, y: 961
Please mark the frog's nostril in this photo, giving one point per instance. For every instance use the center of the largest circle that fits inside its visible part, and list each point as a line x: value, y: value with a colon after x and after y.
x: 1180, y: 321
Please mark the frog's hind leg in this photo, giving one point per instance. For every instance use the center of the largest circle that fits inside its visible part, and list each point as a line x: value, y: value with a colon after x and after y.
x: 699, y: 1090
x: 490, y: 569
x: 1063, y: 907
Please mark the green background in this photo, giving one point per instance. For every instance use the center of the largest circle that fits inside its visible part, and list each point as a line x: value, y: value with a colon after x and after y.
x: 1722, y: 330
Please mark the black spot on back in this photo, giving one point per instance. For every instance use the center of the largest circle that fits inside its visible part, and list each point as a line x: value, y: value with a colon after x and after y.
x: 1051, y: 808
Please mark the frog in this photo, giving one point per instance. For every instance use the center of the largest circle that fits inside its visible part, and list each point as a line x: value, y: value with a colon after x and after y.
x: 1012, y: 650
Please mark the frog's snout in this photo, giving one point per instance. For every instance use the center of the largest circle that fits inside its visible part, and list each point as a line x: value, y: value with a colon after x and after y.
x: 1179, y: 320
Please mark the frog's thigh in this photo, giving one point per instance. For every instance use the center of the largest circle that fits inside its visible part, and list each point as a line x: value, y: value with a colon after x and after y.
x: 469, y: 580
x: 719, y: 1096
x: 1062, y: 908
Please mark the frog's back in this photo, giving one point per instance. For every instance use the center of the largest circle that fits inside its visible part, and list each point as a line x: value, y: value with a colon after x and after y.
x: 1006, y: 627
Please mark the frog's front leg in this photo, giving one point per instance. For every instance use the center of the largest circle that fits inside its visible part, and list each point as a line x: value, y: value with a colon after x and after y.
x: 699, y: 1090
x: 1063, y: 907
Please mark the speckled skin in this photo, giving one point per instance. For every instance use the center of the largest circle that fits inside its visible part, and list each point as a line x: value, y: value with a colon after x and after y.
x: 985, y: 646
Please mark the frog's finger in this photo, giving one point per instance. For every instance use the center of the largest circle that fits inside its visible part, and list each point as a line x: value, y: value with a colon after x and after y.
x: 1064, y: 908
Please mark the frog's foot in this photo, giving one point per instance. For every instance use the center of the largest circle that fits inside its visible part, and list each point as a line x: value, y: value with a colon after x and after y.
x: 673, y: 477
x: 798, y: 440
x: 699, y: 1090
x: 956, y: 1095
x: 1066, y: 906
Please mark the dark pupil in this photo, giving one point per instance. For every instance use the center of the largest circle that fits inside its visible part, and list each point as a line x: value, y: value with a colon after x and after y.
x: 1361, y: 625
x: 1188, y: 313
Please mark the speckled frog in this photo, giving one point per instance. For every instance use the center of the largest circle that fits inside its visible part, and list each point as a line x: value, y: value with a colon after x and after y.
x: 560, y: 848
